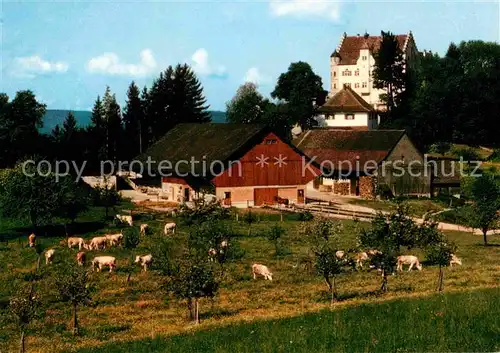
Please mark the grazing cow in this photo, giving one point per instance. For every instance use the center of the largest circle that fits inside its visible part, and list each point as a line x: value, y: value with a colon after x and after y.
x: 81, y: 258
x: 455, y: 260
x: 98, y: 243
x: 212, y: 253
x: 170, y: 227
x: 49, y: 256
x: 145, y: 261
x: 32, y: 239
x: 144, y: 228
x: 373, y: 252
x: 102, y: 261
x: 408, y: 260
x: 339, y: 254
x: 224, y: 244
x: 114, y: 239
x: 125, y: 219
x: 360, y: 257
x: 73, y: 241
x: 261, y: 270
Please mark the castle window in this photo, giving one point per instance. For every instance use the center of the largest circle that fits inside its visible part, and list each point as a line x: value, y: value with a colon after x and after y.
x: 334, y: 73
x: 364, y: 84
x: 349, y: 116
x: 356, y: 85
x: 364, y: 57
x: 335, y: 86
x: 356, y: 73
x: 347, y: 84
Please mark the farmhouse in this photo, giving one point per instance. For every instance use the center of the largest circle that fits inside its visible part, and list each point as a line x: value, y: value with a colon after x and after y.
x: 242, y: 165
x: 358, y: 162
x: 347, y: 109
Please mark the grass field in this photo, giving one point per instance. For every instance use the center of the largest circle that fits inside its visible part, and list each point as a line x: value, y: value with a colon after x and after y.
x: 138, y: 310
x: 439, y: 323
x: 417, y: 207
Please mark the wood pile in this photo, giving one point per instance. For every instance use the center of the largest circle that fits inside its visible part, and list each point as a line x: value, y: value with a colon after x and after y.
x: 367, y: 187
x: 341, y: 187
x: 325, y: 188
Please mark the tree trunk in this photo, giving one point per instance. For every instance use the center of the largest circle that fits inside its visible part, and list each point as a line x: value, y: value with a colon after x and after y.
x: 196, y: 311
x: 440, y: 279
x: 128, y: 276
x: 383, y: 287
x: 75, y: 319
x: 485, y: 238
x: 38, y: 262
x: 334, y: 291
x: 21, y: 343
x: 191, y: 309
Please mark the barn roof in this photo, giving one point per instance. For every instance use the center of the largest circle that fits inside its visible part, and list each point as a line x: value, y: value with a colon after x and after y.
x: 203, y: 143
x: 336, y: 146
x: 351, y: 45
x: 346, y: 100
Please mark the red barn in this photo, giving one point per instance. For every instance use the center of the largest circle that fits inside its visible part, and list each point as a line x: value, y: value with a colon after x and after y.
x: 243, y: 165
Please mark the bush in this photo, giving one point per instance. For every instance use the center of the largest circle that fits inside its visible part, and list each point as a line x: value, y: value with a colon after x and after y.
x: 203, y: 211
x: 467, y: 153
x: 440, y: 147
x: 131, y: 238
x: 384, y: 192
x: 304, y: 216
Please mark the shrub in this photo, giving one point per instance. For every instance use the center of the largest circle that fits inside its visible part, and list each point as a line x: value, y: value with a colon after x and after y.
x: 274, y: 235
x: 440, y: 147
x: 467, y: 153
x: 384, y: 192
x: 131, y: 238
x: 304, y: 216
x: 203, y: 211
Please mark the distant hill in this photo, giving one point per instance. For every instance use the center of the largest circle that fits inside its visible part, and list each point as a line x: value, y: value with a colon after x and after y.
x: 54, y: 117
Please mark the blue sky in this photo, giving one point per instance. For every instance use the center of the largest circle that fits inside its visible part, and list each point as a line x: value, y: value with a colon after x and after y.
x: 67, y: 52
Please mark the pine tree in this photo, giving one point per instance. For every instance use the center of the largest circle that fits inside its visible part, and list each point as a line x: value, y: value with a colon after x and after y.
x: 389, y: 72
x: 69, y: 139
x: 188, y: 103
x: 69, y: 126
x: 146, y: 123
x: 97, y: 134
x: 159, y: 103
x: 114, y: 129
x: 133, y: 118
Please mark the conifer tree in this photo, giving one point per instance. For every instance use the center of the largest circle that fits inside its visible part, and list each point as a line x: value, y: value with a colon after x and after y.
x: 133, y: 118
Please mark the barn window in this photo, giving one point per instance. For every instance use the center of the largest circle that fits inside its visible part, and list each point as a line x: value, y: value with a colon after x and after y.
x: 271, y: 142
x: 227, y: 194
x: 349, y: 117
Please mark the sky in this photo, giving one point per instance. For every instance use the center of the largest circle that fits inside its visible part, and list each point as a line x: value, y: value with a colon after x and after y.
x: 67, y: 52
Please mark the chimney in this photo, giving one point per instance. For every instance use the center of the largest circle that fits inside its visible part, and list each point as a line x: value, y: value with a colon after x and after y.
x: 366, y: 35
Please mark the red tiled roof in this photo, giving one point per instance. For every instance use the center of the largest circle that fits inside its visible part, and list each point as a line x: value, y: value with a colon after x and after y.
x: 346, y: 100
x: 349, y: 51
x: 333, y: 146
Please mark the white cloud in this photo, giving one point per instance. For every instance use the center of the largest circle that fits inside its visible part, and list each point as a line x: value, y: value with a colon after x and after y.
x: 109, y: 63
x: 30, y: 66
x: 306, y: 8
x: 255, y: 76
x: 201, y: 65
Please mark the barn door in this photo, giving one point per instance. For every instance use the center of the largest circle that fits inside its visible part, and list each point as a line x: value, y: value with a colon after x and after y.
x: 265, y: 196
x: 300, y: 196
x: 186, y: 194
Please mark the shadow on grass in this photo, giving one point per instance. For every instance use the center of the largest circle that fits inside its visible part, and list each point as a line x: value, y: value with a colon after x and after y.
x: 218, y: 313
x: 56, y: 230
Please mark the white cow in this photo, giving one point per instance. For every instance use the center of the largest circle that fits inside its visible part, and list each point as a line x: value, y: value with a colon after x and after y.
x: 80, y: 258
x: 262, y: 270
x: 98, y: 243
x: 49, y: 256
x: 212, y: 253
x: 144, y: 228
x: 102, y: 261
x: 145, y: 261
x: 360, y: 257
x: 339, y: 254
x: 169, y: 227
x: 114, y: 239
x: 74, y: 241
x: 455, y: 260
x: 125, y: 219
x: 408, y: 260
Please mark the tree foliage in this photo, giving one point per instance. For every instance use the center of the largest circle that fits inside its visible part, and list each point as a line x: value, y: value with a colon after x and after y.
x: 73, y: 286
x: 24, y: 306
x: 302, y: 91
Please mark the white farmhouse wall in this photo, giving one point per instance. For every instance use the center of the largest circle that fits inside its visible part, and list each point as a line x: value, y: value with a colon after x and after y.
x: 339, y: 120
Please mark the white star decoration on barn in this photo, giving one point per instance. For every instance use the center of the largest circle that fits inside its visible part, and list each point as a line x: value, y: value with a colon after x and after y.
x: 262, y: 161
x: 280, y: 161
